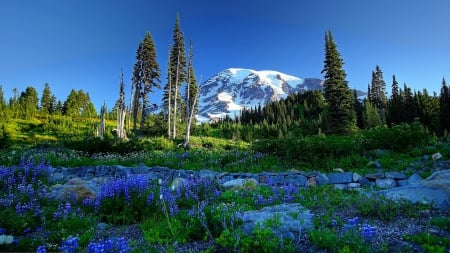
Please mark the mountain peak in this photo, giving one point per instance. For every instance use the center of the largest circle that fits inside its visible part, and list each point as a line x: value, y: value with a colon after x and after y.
x: 233, y: 89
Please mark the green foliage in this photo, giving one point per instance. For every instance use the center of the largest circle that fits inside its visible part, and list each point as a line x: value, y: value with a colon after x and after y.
x: 387, y: 209
x: 398, y: 138
x: 341, y: 115
x: 441, y: 222
x: 332, y: 241
x: 95, y: 145
x: 431, y: 243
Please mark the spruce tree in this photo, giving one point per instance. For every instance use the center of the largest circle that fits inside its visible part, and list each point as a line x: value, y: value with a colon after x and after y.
x: 177, y: 74
x: 341, y: 115
x: 359, y: 108
x: 444, y: 102
x: 47, y: 103
x: 146, y: 76
x: 28, y: 102
x: 371, y: 116
x: 378, y: 93
x: 395, y: 104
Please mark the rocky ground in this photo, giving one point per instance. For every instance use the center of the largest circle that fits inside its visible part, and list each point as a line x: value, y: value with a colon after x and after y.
x: 388, y: 237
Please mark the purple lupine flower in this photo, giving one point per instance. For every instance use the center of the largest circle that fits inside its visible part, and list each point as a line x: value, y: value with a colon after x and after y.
x: 41, y: 249
x: 69, y: 245
x: 353, y: 221
x: 368, y: 232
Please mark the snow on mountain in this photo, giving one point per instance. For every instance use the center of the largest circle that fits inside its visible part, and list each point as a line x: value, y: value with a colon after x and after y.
x: 231, y: 90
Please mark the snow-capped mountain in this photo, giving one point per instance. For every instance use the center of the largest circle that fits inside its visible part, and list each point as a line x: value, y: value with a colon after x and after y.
x: 234, y: 89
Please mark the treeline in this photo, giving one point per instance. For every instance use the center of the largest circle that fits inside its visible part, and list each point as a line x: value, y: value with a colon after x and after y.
x: 28, y: 105
x: 305, y: 114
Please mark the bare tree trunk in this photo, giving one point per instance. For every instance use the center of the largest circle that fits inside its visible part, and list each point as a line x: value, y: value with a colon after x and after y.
x: 169, y: 107
x: 175, y: 97
x: 121, y: 114
x: 189, y: 121
x: 102, y: 121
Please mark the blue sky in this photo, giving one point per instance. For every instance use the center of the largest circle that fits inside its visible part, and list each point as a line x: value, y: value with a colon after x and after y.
x: 83, y: 44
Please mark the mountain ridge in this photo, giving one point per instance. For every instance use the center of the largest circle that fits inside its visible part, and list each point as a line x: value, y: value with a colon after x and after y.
x: 233, y: 89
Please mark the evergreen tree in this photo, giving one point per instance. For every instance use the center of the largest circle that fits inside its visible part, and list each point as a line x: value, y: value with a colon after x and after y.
x: 341, y: 115
x: 428, y: 110
x: 409, y: 106
x: 371, y: 116
x: 78, y: 104
x: 3, y: 106
x: 28, y: 103
x: 146, y: 76
x: 2, y: 99
x: 177, y: 74
x: 359, y: 108
x: 378, y: 92
x: 395, y: 105
x: 444, y: 102
x: 47, y: 100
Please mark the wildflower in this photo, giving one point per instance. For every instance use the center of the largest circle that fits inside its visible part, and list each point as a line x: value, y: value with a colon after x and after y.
x: 41, y: 249
x: 70, y: 245
x: 368, y: 232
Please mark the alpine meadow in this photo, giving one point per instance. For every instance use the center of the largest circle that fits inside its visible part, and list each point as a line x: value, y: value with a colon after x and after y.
x: 246, y: 161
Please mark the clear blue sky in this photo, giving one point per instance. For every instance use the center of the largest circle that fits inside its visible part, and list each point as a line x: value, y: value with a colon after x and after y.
x: 83, y: 44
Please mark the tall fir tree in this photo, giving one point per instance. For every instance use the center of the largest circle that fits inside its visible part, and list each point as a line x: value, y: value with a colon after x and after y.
x: 359, y: 108
x: 47, y: 102
x: 146, y: 77
x: 444, y: 102
x: 341, y: 115
x: 28, y: 102
x: 371, y: 116
x: 395, y: 104
x: 177, y: 75
x: 378, y: 93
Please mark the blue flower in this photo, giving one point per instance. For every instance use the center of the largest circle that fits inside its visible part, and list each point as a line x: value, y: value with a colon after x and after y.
x: 368, y: 232
x: 41, y: 249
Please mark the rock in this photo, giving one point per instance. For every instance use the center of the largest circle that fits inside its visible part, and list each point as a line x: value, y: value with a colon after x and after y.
x: 142, y: 169
x: 57, y: 177
x: 75, y: 189
x: 385, y: 183
x: 296, y: 179
x: 419, y: 194
x: 294, y: 219
x: 241, y: 183
x: 414, y: 179
x: 209, y: 174
x: 375, y: 164
x: 178, y: 183
x: 395, y: 175
x: 402, y: 183
x: 439, y: 179
x: 338, y: 170
x: 356, y: 177
x: 353, y: 185
x: 375, y: 175
x: 322, y: 179
x: 340, y: 178
x: 365, y: 182
x: 340, y: 186
x: 312, y: 181
x: 436, y: 156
